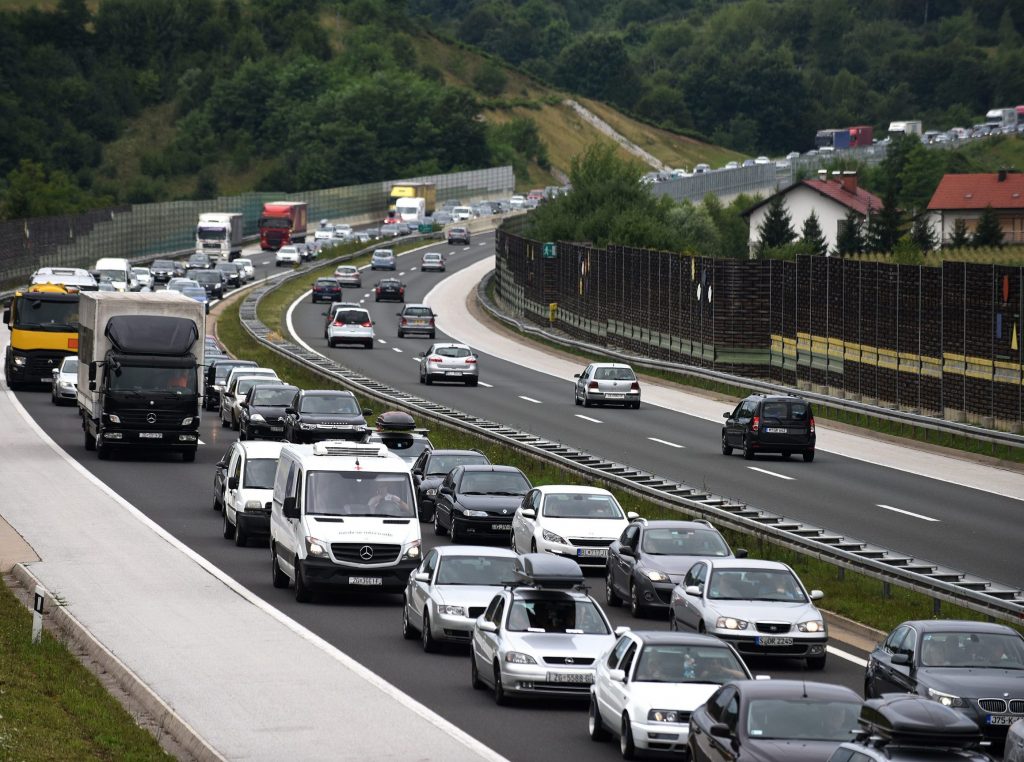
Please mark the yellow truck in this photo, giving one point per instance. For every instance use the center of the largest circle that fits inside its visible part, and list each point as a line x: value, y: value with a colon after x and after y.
x: 426, y: 191
x: 43, y: 321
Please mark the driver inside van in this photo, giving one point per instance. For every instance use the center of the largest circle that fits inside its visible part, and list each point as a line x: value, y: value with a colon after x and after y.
x: 384, y: 496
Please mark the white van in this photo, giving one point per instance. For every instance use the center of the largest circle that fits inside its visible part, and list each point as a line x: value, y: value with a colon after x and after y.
x: 118, y: 270
x: 343, y: 517
x: 462, y: 213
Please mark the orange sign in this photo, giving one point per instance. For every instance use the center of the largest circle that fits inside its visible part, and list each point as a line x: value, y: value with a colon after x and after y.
x: 73, y: 343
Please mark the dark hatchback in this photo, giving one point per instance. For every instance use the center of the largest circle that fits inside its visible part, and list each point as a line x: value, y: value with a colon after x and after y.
x: 975, y: 667
x: 326, y: 290
x: 216, y: 374
x: 770, y: 424
x: 389, y: 289
x: 430, y: 469
x: 211, y: 280
x: 318, y: 414
x: 262, y: 411
x: 165, y: 269
x: 232, y: 275
x: 479, y: 502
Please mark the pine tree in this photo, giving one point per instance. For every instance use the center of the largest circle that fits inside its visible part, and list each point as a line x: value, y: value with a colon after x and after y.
x: 959, y: 238
x: 851, y: 236
x: 776, y: 229
x: 922, y: 234
x: 813, y: 236
x: 989, y: 231
x: 885, y: 225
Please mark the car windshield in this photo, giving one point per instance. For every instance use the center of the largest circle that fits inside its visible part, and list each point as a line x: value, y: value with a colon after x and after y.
x: 351, y: 317
x: 755, y: 585
x: 212, y: 233
x: 221, y: 371
x: 163, y: 264
x: 614, y: 374
x: 972, y: 649
x: 242, y: 387
x: 273, y: 397
x: 418, y: 311
x: 475, y: 570
x: 329, y: 405
x: 494, y: 483
x: 677, y: 663
x: 336, y: 493
x: 562, y: 614
x: 142, y: 379
x: 259, y: 473
x: 684, y: 542
x: 140, y: 271
x: 70, y: 365
x: 581, y: 506
x: 452, y: 352
x: 802, y: 719
x: 440, y: 465
x: 114, y: 276
x: 194, y: 293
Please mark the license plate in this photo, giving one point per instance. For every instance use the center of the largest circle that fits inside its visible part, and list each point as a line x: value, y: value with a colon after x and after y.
x: 150, y: 435
x: 584, y: 678
x: 365, y: 581
x: 1001, y: 719
x: 777, y: 431
x: 769, y: 640
x: 277, y: 428
x: 453, y: 373
x: 589, y: 552
x: 46, y: 380
x: 501, y: 527
x: 419, y: 322
x: 613, y: 396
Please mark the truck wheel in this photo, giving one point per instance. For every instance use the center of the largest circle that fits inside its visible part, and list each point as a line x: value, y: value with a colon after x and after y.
x: 90, y: 441
x: 102, y: 450
x: 188, y: 456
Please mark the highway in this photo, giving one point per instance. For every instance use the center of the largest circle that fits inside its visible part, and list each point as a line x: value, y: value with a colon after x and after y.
x: 833, y: 492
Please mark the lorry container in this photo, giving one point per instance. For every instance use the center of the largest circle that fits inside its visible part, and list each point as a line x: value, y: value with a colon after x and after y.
x: 43, y: 321
x: 411, y: 209
x: 139, y: 371
x: 844, y: 137
x: 219, y: 235
x: 282, y: 223
x: 426, y: 191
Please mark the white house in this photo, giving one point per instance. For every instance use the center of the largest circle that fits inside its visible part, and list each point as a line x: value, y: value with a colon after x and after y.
x: 965, y: 197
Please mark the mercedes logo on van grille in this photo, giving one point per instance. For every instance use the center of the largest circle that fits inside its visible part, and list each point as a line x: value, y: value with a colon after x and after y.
x: 151, y: 418
x: 366, y: 552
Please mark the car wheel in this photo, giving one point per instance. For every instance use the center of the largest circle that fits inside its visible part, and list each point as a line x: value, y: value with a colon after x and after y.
x: 331, y: 344
x: 808, y: 456
x: 427, y: 379
x: 471, y: 382
x: 867, y: 689
x: 227, y: 530
x: 597, y: 730
x: 53, y: 398
x: 636, y: 608
x: 576, y: 397
x: 242, y: 434
x: 401, y: 333
x: 626, y: 745
x: 726, y: 449
x: 452, y: 533
x: 234, y: 422
x: 701, y: 628
x: 438, y: 529
x: 432, y: 335
x: 636, y: 405
x: 369, y: 344
x: 279, y: 578
x: 609, y: 591
x: 407, y: 630
x: 673, y: 625
x: 474, y: 672
x: 786, y: 455
x: 102, y: 450
x: 817, y: 663
x: 533, y: 546
x: 426, y: 636
x: 586, y: 400
x: 748, y: 449
x: 302, y: 593
x: 499, y: 690
x: 422, y: 379
x: 224, y: 424
x: 241, y: 536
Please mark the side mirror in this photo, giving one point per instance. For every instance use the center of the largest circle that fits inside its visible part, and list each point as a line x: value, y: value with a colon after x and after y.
x: 417, y: 472
x: 817, y: 595
x: 620, y: 630
x: 323, y: 313
x: 399, y: 314
x: 901, y: 659
x: 55, y: 372
x: 422, y: 577
x: 289, y: 411
x: 529, y: 513
x: 576, y: 375
x: 289, y: 508
x: 233, y: 482
x: 92, y: 374
x: 720, y: 730
x: 617, y: 675
x: 692, y: 590
x: 486, y: 626
x: 727, y: 415
x: 7, y: 314
x: 740, y: 553
x: 625, y: 550
x: 632, y: 515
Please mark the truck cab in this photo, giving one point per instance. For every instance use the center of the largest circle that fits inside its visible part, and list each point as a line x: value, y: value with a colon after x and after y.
x: 43, y: 321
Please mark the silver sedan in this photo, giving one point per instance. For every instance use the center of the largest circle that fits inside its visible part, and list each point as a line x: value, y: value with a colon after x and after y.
x: 64, y: 388
x: 450, y: 589
x: 607, y: 383
x: 449, y: 362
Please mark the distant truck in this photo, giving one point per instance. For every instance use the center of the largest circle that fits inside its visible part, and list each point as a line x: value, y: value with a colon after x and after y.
x: 909, y: 127
x: 139, y: 371
x: 219, y: 235
x: 283, y: 223
x: 845, y: 137
x: 411, y: 209
x: 43, y: 320
x: 425, y: 191
x: 1001, y: 118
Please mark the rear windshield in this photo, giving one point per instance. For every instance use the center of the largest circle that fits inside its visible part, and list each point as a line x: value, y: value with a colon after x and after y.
x: 614, y: 374
x: 782, y: 410
x: 418, y: 311
x: 452, y: 352
x: 351, y: 317
x: 326, y: 282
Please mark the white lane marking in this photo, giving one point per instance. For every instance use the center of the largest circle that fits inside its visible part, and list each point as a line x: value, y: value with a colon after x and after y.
x: 771, y: 473
x: 847, y: 655
x: 396, y: 349
x: 201, y: 442
x: 588, y: 418
x: 482, y: 243
x: 670, y: 444
x: 401, y: 274
x: 381, y: 341
x: 465, y: 248
x: 906, y: 513
x: 489, y: 386
x: 530, y: 399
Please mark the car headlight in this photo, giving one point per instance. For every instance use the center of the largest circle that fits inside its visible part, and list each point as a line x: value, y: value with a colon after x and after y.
x: 113, y: 418
x: 667, y: 715
x: 432, y: 492
x: 252, y: 505
x: 656, y: 576
x: 475, y: 514
x: 946, y: 699
x: 186, y: 421
x: 730, y: 623
x: 552, y: 537
x: 257, y: 418
x: 515, y: 657
x: 814, y: 625
x: 306, y: 426
x: 413, y: 552
x: 67, y: 384
x: 451, y: 610
x: 20, y: 361
x: 316, y: 548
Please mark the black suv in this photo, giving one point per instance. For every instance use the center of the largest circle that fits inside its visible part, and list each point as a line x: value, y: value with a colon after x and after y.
x: 390, y: 289
x: 317, y: 414
x: 211, y: 280
x: 762, y: 423
x: 430, y: 469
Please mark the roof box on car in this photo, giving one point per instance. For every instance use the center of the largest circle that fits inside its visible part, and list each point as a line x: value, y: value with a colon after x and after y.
x: 395, y: 420
x: 543, y: 570
x: 909, y: 719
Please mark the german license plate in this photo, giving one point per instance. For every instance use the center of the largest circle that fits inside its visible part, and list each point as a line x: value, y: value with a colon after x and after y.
x: 613, y: 396
x: 776, y: 431
x: 453, y: 373
x: 591, y: 552
x: 277, y: 428
x: 150, y: 435
x: 770, y: 640
x: 500, y: 527
x: 1000, y: 719
x: 365, y: 581
x: 583, y: 678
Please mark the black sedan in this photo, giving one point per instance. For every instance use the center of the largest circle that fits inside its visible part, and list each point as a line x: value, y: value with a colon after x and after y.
x: 773, y: 721
x: 389, y: 289
x: 479, y: 502
x: 976, y: 667
x: 326, y: 290
x: 430, y: 469
x: 262, y: 411
x: 317, y: 414
x: 651, y: 558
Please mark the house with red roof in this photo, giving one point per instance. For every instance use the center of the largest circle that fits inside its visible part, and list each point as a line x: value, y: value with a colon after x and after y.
x: 831, y: 198
x: 964, y: 197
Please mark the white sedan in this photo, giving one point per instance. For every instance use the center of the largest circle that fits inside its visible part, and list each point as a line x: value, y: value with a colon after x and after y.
x: 571, y: 521
x: 287, y: 255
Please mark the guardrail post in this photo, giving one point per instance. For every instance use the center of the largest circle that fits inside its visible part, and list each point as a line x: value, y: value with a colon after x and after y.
x: 840, y: 573
x: 936, y: 608
x: 886, y: 590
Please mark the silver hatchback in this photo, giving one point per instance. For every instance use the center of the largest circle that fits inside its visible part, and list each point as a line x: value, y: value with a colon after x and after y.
x: 449, y: 362
x: 348, y: 275
x: 383, y: 259
x: 432, y: 260
x: 607, y: 383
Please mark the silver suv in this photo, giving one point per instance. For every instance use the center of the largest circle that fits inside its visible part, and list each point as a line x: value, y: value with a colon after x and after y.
x: 350, y: 325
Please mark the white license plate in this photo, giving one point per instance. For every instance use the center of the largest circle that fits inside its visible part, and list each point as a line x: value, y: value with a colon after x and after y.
x: 584, y: 678
x: 419, y: 322
x: 453, y: 373
x: 777, y: 431
x: 590, y: 552
x: 150, y: 435
x: 277, y: 428
x: 46, y: 380
x: 501, y: 527
x: 365, y: 581
x: 769, y: 640
x: 613, y: 396
x: 1001, y: 719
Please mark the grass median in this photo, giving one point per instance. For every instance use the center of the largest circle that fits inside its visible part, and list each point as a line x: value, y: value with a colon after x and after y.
x: 849, y: 594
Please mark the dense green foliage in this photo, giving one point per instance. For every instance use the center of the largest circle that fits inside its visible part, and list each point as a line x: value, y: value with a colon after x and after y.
x: 761, y: 75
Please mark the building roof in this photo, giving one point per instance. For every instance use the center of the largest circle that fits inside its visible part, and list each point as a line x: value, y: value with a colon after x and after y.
x: 859, y: 200
x: 979, y: 191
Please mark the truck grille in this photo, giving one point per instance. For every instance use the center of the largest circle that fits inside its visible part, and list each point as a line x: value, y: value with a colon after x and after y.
x: 356, y: 552
x: 141, y: 418
x: 42, y: 366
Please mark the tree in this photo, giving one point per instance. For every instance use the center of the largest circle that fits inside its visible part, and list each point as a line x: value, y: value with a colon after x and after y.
x: 921, y: 233
x: 812, y: 235
x: 885, y: 225
x: 490, y: 79
x: 989, y: 231
x: 851, y: 237
x: 959, y: 238
x: 776, y: 229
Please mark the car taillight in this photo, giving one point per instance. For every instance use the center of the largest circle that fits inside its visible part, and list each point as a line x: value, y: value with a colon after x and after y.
x: 812, y: 425
x: 405, y: 322
x: 435, y: 359
x: 470, y: 361
x: 338, y: 322
x: 401, y: 290
x: 634, y: 387
x: 431, y: 321
x: 592, y: 386
x: 367, y: 324
x: 378, y: 292
x: 755, y: 423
